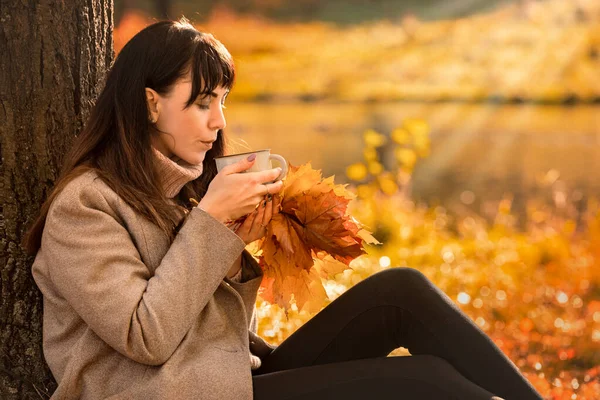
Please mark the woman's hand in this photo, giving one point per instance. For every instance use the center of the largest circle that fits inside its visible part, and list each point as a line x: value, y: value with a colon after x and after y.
x: 254, y: 226
x: 232, y: 194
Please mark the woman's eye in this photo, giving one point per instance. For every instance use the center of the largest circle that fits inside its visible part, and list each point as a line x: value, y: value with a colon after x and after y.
x: 207, y: 106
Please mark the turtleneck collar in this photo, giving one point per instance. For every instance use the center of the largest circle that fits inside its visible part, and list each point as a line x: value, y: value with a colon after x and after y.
x: 175, y: 173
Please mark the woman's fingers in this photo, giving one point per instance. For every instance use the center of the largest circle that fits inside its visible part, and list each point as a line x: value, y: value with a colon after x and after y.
x: 277, y: 205
x: 268, y: 175
x: 268, y: 214
x: 260, y: 215
x: 266, y: 189
x: 275, y: 187
x: 255, y: 225
x: 246, y: 226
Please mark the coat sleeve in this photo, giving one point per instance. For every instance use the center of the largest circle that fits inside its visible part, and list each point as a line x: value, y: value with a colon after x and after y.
x: 94, y: 264
x: 248, y: 288
x: 237, y: 277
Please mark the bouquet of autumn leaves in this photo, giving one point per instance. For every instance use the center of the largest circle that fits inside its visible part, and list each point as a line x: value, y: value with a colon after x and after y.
x: 312, y: 237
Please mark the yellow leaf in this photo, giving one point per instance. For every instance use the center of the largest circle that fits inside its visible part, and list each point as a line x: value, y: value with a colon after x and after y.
x: 365, y: 191
x: 406, y: 157
x: 417, y: 127
x: 387, y: 184
x: 281, y: 284
x: 271, y: 285
x: 367, y: 237
x: 300, y: 179
x: 309, y: 293
x: 328, y: 267
x: 370, y: 154
x: 373, y: 138
x: 328, y: 184
x: 357, y: 172
x: 340, y: 190
x: 375, y: 168
x: 422, y: 143
x: 401, y: 136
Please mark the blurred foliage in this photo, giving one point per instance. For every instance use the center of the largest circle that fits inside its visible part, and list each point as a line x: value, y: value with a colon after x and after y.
x: 532, y: 51
x: 535, y: 292
x: 532, y: 284
x: 337, y: 11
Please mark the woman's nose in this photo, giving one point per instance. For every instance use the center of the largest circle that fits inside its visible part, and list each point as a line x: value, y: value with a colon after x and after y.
x: 217, y: 120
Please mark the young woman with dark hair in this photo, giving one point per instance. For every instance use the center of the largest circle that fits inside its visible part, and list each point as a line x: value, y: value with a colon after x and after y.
x: 149, y: 296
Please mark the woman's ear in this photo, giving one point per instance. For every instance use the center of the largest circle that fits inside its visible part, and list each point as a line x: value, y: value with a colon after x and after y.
x: 153, y: 105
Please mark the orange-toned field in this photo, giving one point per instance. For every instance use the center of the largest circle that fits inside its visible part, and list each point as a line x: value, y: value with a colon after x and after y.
x: 536, y: 291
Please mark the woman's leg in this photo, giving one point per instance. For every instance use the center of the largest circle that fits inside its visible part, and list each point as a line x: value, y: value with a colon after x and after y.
x: 393, y: 308
x: 406, y: 378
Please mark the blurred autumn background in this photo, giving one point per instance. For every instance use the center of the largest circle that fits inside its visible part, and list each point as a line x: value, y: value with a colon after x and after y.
x: 469, y: 131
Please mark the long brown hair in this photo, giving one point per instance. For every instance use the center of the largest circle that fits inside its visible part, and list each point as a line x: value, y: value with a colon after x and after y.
x: 115, y: 141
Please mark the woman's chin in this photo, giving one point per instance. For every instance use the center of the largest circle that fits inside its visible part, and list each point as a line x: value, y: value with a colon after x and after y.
x: 194, y: 158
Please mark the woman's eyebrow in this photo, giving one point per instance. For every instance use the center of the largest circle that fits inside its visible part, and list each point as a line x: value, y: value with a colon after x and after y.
x: 213, y: 94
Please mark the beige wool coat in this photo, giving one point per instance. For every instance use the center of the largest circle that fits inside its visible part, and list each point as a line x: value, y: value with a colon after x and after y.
x: 126, y: 316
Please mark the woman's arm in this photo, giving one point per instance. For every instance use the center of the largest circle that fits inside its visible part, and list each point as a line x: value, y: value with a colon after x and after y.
x: 235, y: 268
x: 94, y: 264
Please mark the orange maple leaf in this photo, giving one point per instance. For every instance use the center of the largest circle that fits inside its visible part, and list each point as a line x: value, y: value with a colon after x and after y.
x: 327, y: 266
x: 325, y: 226
x: 284, y: 243
x: 312, y: 237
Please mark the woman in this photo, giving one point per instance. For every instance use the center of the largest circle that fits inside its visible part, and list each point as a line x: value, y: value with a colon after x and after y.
x: 150, y: 295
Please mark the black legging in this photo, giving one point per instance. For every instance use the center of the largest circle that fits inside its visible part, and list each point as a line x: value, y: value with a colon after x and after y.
x: 341, y: 352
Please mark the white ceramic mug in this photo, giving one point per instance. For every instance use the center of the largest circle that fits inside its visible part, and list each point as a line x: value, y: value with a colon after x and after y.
x: 262, y: 163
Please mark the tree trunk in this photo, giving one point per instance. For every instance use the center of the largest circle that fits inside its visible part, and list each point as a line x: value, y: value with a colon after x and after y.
x: 54, y: 56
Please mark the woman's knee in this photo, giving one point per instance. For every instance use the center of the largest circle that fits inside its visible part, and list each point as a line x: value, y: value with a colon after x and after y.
x: 406, y: 288
x: 403, y: 277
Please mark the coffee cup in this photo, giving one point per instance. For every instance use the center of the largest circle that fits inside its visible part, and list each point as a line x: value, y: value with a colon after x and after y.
x: 262, y: 162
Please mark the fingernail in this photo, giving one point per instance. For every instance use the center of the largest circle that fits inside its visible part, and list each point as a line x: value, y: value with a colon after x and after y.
x: 251, y: 157
x: 269, y: 197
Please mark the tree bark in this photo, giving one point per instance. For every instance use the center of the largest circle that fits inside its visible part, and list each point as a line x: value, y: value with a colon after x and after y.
x: 54, y: 56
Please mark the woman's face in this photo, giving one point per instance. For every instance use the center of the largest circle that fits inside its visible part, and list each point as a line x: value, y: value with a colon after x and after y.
x: 189, y: 131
